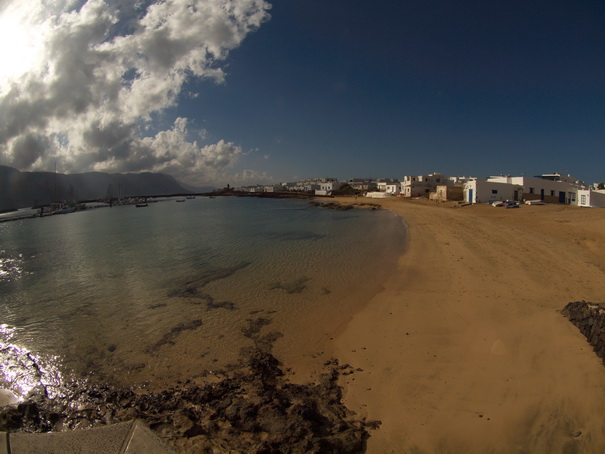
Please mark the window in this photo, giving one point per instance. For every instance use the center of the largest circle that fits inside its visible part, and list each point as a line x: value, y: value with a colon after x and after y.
x: 552, y: 192
x: 583, y: 199
x: 494, y: 191
x: 531, y: 190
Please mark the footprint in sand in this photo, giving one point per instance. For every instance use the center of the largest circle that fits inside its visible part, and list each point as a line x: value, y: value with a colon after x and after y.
x: 498, y: 348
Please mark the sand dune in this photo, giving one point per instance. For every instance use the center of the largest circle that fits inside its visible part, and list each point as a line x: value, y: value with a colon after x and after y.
x: 465, y: 351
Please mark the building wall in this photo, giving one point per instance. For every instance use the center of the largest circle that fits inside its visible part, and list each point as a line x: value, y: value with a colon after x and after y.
x: 393, y: 188
x: 329, y: 186
x: 542, y: 189
x: 482, y: 191
x: 590, y: 198
x: 417, y: 190
x: 549, y: 191
x: 444, y: 193
x: 420, y: 185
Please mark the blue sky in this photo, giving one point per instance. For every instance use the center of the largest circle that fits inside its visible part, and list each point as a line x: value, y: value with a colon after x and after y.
x: 331, y: 88
x: 347, y: 89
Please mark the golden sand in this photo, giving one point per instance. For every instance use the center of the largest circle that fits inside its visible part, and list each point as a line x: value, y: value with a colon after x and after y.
x: 465, y: 349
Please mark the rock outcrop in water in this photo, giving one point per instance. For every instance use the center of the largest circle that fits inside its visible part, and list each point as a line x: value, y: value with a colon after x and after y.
x: 251, y: 408
x: 345, y: 206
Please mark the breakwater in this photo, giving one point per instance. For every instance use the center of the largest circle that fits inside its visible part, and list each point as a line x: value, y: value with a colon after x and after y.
x: 590, y: 320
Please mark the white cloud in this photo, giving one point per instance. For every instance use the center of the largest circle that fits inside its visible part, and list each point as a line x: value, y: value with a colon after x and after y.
x: 100, y: 72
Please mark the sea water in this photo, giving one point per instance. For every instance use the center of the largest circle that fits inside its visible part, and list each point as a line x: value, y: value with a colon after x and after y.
x: 174, y: 290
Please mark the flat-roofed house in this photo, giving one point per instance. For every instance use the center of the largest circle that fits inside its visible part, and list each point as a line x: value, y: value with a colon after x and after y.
x: 388, y: 185
x: 327, y: 187
x: 550, y: 187
x: 444, y: 193
x: 421, y: 185
x: 591, y: 198
x: 481, y: 190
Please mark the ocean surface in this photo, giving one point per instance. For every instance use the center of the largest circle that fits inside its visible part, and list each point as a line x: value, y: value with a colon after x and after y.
x: 174, y: 290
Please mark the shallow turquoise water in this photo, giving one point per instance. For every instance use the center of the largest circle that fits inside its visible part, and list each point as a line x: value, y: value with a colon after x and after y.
x: 165, y: 292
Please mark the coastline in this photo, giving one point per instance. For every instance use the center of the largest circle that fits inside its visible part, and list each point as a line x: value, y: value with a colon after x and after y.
x: 460, y: 347
x: 465, y: 349
x: 309, y: 342
x: 104, y: 398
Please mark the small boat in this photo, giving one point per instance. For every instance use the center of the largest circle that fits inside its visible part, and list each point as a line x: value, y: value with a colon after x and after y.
x: 180, y: 200
x: 141, y: 205
x: 191, y: 197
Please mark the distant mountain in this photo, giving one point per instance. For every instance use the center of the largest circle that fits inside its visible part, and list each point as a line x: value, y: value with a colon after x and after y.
x: 25, y: 189
x: 198, y: 189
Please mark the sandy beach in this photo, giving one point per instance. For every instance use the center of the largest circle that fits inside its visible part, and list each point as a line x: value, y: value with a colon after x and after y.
x: 465, y: 350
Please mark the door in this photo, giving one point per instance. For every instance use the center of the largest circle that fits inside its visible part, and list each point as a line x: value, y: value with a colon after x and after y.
x: 470, y: 196
x: 561, y: 197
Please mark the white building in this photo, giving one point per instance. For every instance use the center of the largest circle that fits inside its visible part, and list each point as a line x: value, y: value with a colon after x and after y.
x: 392, y: 186
x: 314, y: 184
x: 388, y: 185
x: 551, y: 188
x: 252, y: 189
x: 591, y: 198
x: 482, y: 190
x: 272, y: 188
x: 362, y: 184
x: 420, y: 185
x: 327, y: 187
x: 289, y: 186
x: 457, y: 180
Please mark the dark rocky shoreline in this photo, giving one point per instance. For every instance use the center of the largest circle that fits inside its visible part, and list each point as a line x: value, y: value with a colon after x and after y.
x: 252, y: 408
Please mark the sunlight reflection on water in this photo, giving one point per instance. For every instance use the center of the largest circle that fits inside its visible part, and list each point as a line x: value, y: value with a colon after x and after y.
x: 11, y: 267
x: 24, y: 372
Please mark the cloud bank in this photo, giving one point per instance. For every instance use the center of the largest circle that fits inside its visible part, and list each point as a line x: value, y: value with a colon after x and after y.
x: 83, y: 79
